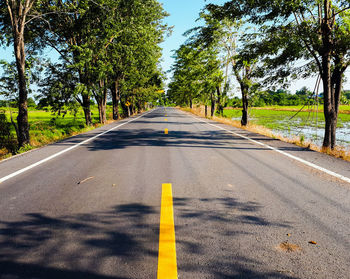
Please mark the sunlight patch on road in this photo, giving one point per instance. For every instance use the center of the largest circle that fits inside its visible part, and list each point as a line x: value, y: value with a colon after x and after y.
x: 167, y: 266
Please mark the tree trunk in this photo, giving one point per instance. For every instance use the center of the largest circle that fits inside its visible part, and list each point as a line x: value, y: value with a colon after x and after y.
x: 327, y: 106
x: 125, y: 110
x: 102, y: 109
x: 86, y: 108
x: 18, y: 17
x: 139, y: 107
x: 206, y: 111
x: 328, y: 93
x: 22, y: 118
x: 115, y: 99
x: 336, y: 87
x: 190, y: 103
x: 102, y: 113
x: 244, y: 120
x: 212, y: 105
x: 219, y: 106
x: 101, y: 99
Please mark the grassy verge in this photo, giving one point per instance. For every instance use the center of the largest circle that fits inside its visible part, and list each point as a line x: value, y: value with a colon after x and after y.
x: 46, y: 128
x: 339, y: 152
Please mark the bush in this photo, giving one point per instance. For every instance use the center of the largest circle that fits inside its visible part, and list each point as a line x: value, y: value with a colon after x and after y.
x: 6, y: 138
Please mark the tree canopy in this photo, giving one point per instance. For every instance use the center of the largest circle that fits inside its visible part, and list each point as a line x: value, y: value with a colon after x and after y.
x: 106, y: 48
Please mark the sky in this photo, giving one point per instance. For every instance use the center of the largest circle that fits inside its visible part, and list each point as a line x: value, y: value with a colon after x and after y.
x: 183, y: 16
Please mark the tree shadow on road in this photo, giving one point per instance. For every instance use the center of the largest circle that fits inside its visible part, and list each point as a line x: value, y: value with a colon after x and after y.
x: 124, y: 240
x: 124, y: 138
x: 81, y: 245
x: 218, y: 238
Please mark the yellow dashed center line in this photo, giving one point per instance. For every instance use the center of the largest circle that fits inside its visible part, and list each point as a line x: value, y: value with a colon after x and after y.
x: 166, y: 131
x: 166, y: 119
x: 167, y: 267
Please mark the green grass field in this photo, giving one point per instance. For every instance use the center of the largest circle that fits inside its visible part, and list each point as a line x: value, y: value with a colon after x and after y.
x: 46, y: 127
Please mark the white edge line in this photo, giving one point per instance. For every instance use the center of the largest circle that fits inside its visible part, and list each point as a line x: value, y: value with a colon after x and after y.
x: 7, y: 177
x: 329, y: 172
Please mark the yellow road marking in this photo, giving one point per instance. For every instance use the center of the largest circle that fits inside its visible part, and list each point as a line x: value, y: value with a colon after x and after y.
x: 166, y: 119
x: 166, y: 131
x: 167, y: 267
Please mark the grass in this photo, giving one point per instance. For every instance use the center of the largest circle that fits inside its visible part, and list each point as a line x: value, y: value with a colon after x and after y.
x: 263, y: 119
x: 46, y: 128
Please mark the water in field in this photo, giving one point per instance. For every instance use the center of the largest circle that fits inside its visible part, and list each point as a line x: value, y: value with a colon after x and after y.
x: 304, y: 124
x: 313, y: 134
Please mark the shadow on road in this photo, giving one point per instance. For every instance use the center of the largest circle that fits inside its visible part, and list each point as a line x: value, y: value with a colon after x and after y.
x: 121, y: 139
x: 23, y: 270
x: 218, y: 238
x: 79, y: 246
x: 124, y: 242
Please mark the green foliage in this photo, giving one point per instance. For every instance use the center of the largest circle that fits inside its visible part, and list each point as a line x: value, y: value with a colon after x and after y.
x: 108, y: 41
x: 99, y: 42
x: 6, y: 137
x: 196, y: 74
x: 316, y: 33
x: 31, y: 103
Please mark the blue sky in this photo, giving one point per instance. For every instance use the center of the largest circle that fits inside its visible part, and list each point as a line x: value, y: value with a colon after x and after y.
x: 183, y: 16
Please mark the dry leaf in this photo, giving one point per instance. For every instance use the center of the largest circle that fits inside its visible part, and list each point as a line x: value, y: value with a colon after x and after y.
x: 289, y: 247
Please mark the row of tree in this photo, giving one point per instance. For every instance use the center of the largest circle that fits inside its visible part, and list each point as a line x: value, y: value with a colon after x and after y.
x: 264, y: 44
x: 105, y: 47
x: 283, y: 97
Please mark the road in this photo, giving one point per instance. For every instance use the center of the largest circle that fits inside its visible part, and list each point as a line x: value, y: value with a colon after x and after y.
x: 241, y: 209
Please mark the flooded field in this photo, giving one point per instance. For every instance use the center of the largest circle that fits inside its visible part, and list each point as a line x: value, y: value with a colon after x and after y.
x: 307, y: 125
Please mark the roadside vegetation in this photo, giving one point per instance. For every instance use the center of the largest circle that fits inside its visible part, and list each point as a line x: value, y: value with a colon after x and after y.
x: 267, y: 121
x: 108, y: 52
x: 261, y: 47
x: 45, y: 127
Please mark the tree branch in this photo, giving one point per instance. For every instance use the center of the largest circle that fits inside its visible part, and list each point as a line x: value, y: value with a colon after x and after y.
x: 309, y: 48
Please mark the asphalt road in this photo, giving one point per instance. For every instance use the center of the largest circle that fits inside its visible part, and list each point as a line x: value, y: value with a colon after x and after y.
x: 241, y: 210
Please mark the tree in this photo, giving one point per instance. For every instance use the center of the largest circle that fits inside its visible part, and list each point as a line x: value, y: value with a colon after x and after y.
x: 135, y: 52
x: 13, y: 21
x: 108, y: 43
x: 225, y: 35
x: 58, y: 88
x: 317, y: 31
